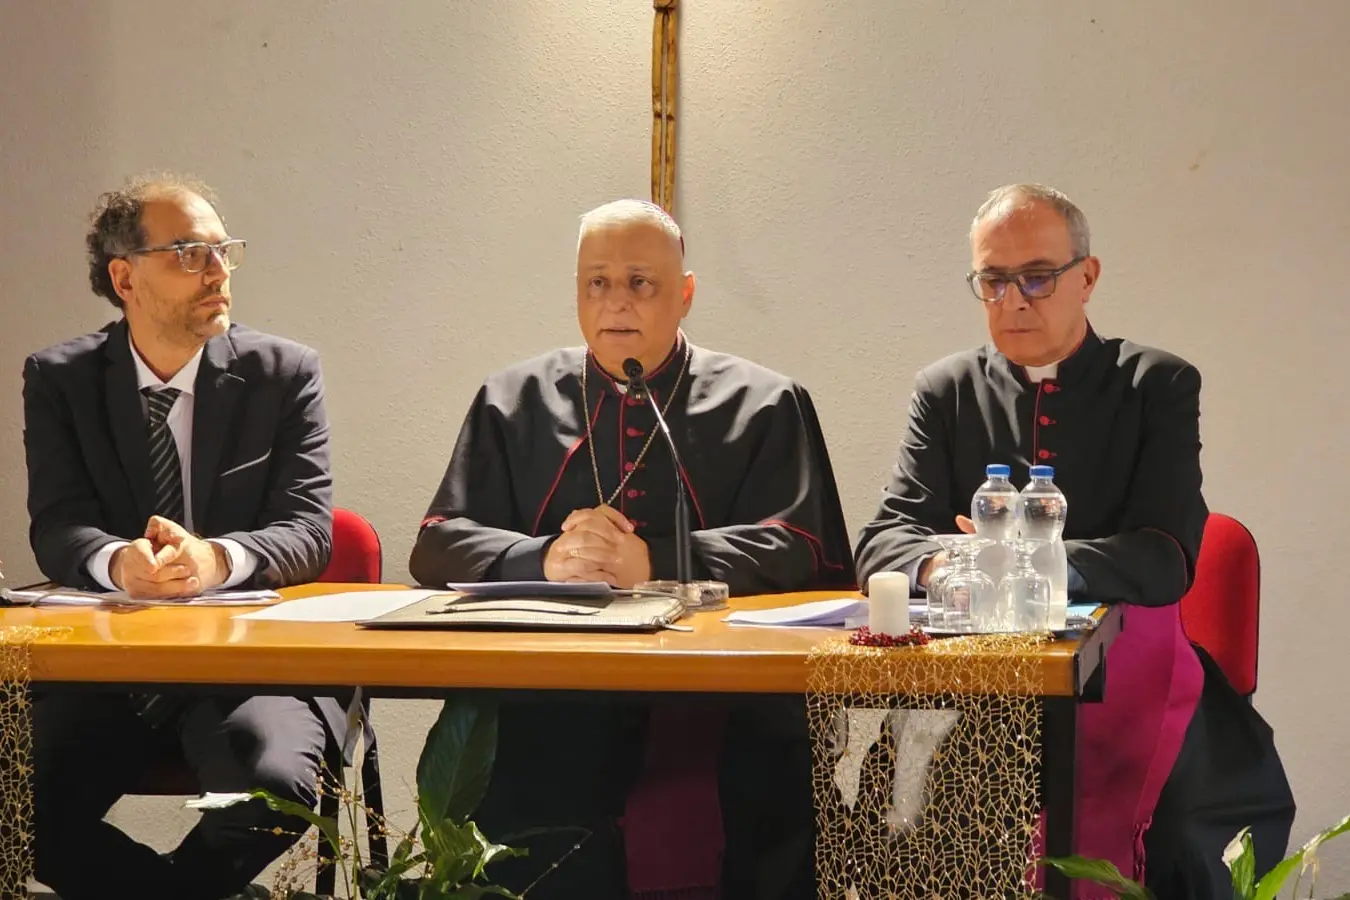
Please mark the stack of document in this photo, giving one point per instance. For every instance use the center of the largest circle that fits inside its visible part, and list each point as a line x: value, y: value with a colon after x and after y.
x: 349, y: 606
x: 817, y: 614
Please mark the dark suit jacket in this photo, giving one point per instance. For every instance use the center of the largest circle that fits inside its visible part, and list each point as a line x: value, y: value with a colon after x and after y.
x: 260, y: 467
x: 1120, y: 424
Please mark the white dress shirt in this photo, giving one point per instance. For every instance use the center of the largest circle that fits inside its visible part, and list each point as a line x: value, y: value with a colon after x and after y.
x: 242, y: 563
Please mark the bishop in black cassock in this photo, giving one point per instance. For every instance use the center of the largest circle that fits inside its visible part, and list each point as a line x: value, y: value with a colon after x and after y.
x: 1119, y: 422
x: 560, y: 473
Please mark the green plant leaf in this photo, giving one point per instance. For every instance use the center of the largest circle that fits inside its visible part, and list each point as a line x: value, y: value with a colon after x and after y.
x: 1100, y: 871
x: 405, y: 846
x: 457, y: 758
x: 453, y: 853
x: 1268, y: 888
x: 488, y: 851
x: 388, y: 884
x: 327, y: 827
x: 1240, y: 857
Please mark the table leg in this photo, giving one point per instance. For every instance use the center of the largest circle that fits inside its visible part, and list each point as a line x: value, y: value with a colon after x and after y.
x: 1058, y: 758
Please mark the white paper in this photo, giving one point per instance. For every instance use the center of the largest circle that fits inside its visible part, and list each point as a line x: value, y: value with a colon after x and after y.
x: 826, y: 613
x: 351, y: 606
x: 72, y: 597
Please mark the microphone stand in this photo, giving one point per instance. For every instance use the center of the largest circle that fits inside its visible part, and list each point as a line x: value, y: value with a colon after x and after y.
x: 684, y: 560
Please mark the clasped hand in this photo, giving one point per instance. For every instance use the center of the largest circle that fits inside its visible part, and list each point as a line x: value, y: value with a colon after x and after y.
x: 598, y: 544
x: 168, y: 563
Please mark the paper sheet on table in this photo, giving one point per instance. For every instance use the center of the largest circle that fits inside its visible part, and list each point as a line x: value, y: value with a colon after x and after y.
x: 845, y: 613
x: 72, y: 597
x: 818, y: 613
x: 351, y: 606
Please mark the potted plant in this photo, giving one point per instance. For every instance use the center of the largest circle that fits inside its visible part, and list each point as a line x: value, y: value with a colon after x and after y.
x: 443, y: 856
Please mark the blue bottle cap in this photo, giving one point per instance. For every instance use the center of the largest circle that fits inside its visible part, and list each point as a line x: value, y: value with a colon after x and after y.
x: 1042, y: 471
x: 996, y: 469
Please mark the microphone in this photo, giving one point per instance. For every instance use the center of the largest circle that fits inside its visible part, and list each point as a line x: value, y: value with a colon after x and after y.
x: 684, y: 561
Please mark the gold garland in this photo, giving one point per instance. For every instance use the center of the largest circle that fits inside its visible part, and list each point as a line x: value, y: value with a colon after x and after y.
x: 16, y: 755
x: 665, y: 79
x: 926, y: 767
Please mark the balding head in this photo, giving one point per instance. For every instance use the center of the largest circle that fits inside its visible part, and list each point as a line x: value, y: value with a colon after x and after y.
x: 630, y: 212
x: 632, y: 290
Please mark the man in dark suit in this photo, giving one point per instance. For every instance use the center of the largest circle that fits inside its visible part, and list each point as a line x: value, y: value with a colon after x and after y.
x: 169, y: 454
x: 1119, y: 424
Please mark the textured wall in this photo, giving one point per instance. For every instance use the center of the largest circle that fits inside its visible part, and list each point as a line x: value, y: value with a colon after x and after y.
x: 409, y: 177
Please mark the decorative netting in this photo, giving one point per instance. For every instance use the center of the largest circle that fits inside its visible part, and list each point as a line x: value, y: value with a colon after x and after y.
x: 16, y: 756
x: 926, y: 767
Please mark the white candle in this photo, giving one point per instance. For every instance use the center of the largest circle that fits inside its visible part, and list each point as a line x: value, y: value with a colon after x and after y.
x: 888, y: 603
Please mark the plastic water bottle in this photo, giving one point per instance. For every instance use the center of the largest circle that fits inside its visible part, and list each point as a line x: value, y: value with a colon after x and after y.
x: 1044, y: 512
x: 994, y: 507
x: 995, y: 510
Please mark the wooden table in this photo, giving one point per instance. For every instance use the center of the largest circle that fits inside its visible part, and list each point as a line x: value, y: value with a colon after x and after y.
x: 207, y: 649
x: 169, y: 647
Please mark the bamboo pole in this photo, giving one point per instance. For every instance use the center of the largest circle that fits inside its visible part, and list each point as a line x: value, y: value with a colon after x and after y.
x: 672, y: 90
x: 658, y: 98
x: 665, y: 71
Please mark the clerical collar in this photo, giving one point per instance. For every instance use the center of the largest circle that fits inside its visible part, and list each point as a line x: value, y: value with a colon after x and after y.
x: 1066, y: 370
x: 1037, y: 374
x: 660, y: 378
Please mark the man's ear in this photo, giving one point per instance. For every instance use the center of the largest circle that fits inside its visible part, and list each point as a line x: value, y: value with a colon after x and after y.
x: 119, y: 270
x: 687, y: 290
x: 1092, y: 270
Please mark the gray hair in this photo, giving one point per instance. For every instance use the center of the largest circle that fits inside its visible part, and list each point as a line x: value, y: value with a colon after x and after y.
x: 115, y: 224
x: 1004, y: 200
x: 630, y: 212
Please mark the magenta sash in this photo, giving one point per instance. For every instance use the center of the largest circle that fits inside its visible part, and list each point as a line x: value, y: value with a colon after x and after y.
x: 1128, y: 744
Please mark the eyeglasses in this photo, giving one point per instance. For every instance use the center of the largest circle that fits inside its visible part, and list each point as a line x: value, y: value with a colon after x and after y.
x: 1034, y: 284
x: 195, y: 256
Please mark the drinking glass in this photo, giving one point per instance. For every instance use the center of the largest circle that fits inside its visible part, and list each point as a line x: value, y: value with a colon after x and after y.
x: 1025, y: 591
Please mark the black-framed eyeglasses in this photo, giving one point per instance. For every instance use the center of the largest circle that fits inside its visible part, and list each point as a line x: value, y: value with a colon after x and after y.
x: 1033, y: 283
x: 195, y: 256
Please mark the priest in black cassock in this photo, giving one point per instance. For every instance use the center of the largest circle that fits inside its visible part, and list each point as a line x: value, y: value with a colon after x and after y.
x: 560, y: 474
x: 1119, y: 422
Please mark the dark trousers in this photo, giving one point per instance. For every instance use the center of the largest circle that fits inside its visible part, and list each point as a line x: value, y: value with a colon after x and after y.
x: 569, y: 763
x: 91, y: 749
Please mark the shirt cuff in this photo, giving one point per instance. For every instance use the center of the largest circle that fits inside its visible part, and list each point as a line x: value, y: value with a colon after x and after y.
x: 524, y: 560
x: 100, y: 561
x: 242, y: 563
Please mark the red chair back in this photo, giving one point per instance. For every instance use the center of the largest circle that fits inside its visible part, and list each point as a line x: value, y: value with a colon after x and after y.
x: 1222, y: 610
x: 357, y: 556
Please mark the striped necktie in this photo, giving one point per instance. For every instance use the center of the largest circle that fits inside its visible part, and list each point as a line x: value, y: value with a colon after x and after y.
x: 166, y: 470
x: 166, y: 475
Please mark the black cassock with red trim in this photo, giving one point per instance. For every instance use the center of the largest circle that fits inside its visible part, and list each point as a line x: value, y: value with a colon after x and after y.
x: 1120, y: 424
x: 764, y: 506
x: 766, y: 517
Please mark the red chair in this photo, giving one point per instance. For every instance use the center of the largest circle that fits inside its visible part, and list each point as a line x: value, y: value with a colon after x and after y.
x: 356, y: 557
x: 1222, y: 610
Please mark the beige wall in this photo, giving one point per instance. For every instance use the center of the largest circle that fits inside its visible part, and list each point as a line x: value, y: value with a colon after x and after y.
x: 409, y: 178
